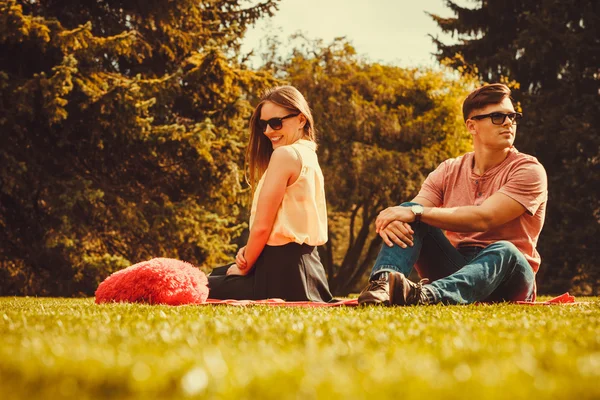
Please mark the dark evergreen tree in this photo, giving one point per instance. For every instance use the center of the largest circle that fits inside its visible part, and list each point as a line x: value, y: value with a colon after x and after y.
x: 122, y: 129
x: 551, y: 50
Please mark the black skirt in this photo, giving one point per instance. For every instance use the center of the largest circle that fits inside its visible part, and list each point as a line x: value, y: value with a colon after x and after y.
x: 292, y: 272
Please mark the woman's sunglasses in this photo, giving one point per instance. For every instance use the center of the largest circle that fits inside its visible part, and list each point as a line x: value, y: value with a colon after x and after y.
x: 498, y: 118
x: 275, y: 123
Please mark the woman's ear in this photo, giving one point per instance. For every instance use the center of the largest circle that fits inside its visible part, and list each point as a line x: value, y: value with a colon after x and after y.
x: 302, y: 121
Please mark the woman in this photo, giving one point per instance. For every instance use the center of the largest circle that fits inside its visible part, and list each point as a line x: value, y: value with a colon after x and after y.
x: 288, y: 219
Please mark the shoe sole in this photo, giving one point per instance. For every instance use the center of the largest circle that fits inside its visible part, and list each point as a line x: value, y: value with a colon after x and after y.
x: 372, y: 302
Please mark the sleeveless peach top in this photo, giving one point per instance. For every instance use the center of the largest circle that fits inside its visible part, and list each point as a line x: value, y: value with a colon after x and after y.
x: 302, y: 215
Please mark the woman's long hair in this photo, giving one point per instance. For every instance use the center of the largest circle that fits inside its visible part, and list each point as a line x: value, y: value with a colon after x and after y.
x: 260, y: 147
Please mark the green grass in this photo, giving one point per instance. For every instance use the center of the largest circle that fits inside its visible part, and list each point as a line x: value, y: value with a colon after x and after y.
x: 72, y: 348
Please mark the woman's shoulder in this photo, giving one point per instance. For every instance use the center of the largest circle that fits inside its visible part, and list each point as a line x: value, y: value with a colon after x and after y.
x: 284, y: 154
x: 285, y: 160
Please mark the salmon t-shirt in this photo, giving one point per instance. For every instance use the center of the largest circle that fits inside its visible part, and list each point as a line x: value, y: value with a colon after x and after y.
x: 519, y: 176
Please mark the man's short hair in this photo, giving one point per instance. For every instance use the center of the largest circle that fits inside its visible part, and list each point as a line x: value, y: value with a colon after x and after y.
x: 484, y: 96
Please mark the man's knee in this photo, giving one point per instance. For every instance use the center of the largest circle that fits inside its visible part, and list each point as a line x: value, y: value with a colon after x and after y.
x: 505, y: 247
x: 509, y: 251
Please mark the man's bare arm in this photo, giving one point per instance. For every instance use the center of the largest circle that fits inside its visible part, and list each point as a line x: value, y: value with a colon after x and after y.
x: 497, y: 210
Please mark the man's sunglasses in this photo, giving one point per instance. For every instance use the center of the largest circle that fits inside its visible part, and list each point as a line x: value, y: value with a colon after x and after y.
x: 275, y: 123
x: 498, y: 118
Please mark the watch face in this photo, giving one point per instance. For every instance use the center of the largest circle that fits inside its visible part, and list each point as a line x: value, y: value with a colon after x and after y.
x: 417, y: 209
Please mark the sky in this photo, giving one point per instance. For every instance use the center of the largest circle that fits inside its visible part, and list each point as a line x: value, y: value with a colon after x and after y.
x: 388, y: 31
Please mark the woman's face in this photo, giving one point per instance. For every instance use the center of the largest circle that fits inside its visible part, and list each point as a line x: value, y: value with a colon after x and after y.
x: 281, y: 125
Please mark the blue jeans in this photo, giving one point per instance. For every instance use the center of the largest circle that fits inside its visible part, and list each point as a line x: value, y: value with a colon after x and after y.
x: 498, y: 272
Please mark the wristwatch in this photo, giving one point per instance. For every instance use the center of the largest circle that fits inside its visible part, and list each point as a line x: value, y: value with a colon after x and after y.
x: 417, y: 209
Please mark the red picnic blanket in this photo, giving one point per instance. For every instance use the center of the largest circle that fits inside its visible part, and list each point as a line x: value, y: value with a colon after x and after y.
x: 565, y: 298
x: 280, y: 302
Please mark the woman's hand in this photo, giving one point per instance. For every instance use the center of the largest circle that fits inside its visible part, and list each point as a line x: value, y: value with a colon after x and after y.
x: 241, y: 266
x: 240, y: 258
x: 235, y: 270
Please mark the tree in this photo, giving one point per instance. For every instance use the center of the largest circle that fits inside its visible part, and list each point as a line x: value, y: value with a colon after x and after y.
x: 381, y: 130
x: 122, y: 127
x: 550, y: 48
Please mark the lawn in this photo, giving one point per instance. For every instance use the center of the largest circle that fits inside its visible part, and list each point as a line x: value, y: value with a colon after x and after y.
x: 73, y: 348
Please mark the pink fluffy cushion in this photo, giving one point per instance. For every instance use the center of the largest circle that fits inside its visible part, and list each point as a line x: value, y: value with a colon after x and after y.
x: 156, y: 281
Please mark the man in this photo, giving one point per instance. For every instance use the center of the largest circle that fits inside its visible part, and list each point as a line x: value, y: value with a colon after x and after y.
x: 491, y: 204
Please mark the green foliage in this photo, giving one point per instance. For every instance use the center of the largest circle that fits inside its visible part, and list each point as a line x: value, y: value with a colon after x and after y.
x: 550, y: 48
x: 381, y: 130
x: 123, y: 127
x: 57, y: 348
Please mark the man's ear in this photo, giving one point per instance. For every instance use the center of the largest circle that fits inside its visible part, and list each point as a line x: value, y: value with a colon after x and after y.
x: 471, y: 127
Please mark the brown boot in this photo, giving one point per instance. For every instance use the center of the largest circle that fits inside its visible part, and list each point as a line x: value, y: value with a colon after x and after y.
x: 376, y: 293
x: 406, y: 293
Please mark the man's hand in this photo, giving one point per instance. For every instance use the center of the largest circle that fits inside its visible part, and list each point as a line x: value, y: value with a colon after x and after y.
x: 397, y: 232
x: 397, y: 213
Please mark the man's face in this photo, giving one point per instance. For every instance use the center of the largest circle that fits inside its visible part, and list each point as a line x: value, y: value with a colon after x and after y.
x: 488, y: 134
